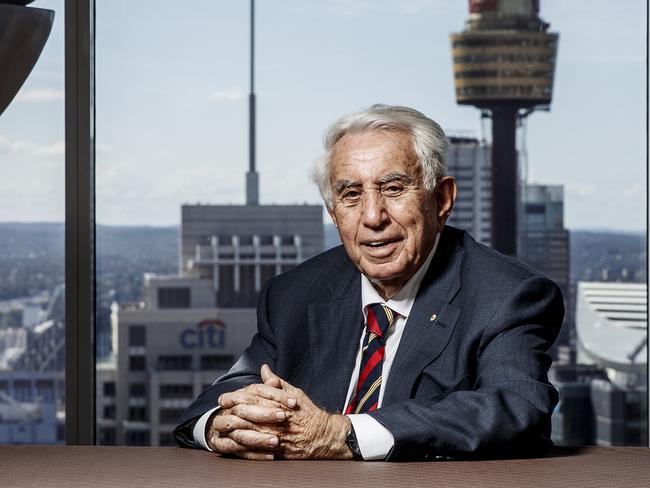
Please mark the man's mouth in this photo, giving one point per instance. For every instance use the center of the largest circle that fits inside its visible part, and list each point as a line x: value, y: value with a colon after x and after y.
x: 380, y: 243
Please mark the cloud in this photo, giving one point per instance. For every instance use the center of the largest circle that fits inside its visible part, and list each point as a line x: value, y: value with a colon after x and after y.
x: 231, y: 95
x: 39, y: 95
x: 31, y: 148
x: 53, y: 149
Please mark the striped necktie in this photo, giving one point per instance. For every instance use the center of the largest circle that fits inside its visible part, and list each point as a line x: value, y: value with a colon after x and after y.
x: 366, y: 395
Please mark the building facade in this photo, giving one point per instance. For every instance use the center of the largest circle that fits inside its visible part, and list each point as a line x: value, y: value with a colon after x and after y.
x: 468, y: 160
x: 544, y: 245
x: 190, y: 328
x: 611, y: 325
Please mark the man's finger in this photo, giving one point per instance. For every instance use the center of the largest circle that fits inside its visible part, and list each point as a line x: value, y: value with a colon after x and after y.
x: 226, y: 445
x: 243, y: 397
x: 269, y: 377
x: 259, y: 414
x: 271, y: 392
x: 228, y: 422
x: 252, y: 439
x: 257, y: 394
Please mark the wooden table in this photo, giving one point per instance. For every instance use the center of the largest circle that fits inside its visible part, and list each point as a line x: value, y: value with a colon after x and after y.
x: 98, y: 467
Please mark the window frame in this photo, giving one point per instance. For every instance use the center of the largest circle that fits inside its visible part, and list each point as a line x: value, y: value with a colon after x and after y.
x: 79, y: 222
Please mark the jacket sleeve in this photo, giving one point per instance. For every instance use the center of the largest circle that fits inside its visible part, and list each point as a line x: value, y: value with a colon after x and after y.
x: 508, y: 411
x: 245, y: 371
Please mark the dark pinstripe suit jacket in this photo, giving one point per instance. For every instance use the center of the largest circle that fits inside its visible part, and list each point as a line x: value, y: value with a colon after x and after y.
x: 472, y: 382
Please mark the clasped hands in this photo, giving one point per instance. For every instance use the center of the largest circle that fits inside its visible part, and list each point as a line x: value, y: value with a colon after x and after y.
x: 275, y: 420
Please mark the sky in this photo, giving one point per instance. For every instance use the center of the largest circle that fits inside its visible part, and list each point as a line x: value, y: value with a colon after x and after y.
x: 172, y: 94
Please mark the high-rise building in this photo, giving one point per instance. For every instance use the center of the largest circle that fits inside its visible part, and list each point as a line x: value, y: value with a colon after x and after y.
x: 544, y: 245
x: 239, y: 247
x: 468, y: 160
x: 504, y: 64
x: 32, y: 387
x: 190, y: 328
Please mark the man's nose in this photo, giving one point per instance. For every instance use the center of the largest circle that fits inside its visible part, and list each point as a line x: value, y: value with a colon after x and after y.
x: 374, y: 210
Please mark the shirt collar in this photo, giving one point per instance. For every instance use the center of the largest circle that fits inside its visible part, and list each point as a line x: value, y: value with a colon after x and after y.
x: 403, y: 301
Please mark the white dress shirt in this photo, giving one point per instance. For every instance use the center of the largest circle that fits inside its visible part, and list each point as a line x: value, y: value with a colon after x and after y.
x: 375, y: 441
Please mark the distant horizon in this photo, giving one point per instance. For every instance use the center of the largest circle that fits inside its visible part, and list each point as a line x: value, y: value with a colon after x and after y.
x: 147, y: 226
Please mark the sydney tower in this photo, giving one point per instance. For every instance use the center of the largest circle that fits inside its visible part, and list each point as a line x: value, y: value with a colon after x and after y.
x: 504, y: 63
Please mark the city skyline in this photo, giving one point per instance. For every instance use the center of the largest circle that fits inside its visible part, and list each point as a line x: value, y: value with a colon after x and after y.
x: 172, y: 94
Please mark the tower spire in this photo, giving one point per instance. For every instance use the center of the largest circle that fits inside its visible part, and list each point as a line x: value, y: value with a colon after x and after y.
x: 252, y: 177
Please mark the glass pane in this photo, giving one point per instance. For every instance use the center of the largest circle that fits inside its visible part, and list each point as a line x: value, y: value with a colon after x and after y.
x: 32, y: 212
x: 181, y: 259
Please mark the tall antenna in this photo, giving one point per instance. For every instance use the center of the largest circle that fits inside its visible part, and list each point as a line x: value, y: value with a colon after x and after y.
x: 252, y: 177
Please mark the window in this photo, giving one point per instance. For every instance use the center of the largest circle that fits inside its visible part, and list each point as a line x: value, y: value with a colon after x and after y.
x: 109, y: 411
x: 137, y: 390
x: 137, y: 363
x: 176, y: 246
x: 107, y: 436
x: 138, y: 414
x: 175, y: 363
x: 170, y: 415
x: 174, y: 298
x: 137, y: 336
x: 45, y: 390
x: 137, y: 437
x: 32, y: 223
x: 109, y: 388
x: 213, y: 362
x: 176, y: 391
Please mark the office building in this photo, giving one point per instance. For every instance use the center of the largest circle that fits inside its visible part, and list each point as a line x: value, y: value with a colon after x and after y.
x: 190, y: 328
x: 239, y: 247
x: 31, y: 411
x: 468, y: 160
x: 544, y: 245
x: 32, y: 387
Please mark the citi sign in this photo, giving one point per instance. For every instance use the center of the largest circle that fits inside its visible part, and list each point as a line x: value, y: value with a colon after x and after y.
x: 208, y: 333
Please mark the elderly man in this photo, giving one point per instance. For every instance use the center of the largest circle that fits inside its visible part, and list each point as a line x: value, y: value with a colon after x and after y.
x: 409, y: 341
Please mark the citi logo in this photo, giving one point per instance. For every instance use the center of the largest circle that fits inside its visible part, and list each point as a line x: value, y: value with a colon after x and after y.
x: 209, y: 333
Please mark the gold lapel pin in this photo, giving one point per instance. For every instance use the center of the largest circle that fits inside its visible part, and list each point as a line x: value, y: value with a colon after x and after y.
x: 433, y: 317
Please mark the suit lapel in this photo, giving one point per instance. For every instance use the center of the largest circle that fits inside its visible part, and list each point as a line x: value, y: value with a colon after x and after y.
x: 431, y: 321
x: 334, y: 333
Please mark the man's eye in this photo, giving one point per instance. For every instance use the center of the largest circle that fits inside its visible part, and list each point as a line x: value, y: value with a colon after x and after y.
x: 392, y: 189
x: 351, y: 195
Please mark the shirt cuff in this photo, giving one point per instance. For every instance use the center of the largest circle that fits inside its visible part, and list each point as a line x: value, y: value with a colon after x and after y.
x: 375, y: 440
x: 199, y: 428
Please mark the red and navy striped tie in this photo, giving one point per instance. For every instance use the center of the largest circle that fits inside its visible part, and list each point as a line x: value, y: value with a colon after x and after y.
x: 366, y: 395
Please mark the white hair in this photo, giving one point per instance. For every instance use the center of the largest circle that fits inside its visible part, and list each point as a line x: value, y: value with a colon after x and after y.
x: 429, y: 142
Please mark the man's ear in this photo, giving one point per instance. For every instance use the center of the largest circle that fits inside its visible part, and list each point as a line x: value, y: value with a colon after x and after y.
x: 445, y: 198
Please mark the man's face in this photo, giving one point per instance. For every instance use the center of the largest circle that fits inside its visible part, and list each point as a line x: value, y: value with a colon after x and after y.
x: 387, y: 220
